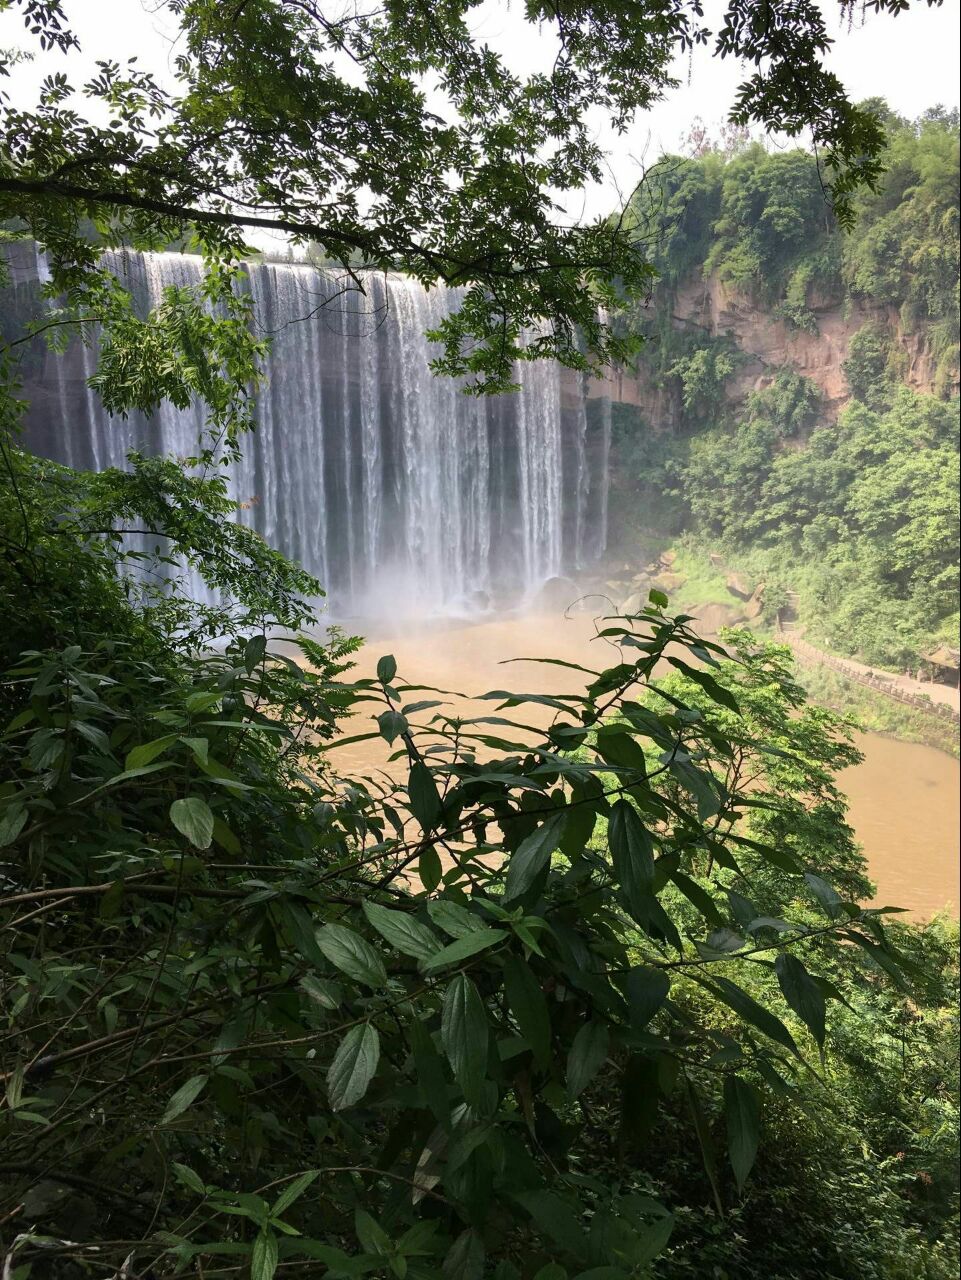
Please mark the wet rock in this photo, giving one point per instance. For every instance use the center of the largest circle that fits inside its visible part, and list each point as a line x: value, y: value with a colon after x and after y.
x: 634, y: 603
x: 557, y: 593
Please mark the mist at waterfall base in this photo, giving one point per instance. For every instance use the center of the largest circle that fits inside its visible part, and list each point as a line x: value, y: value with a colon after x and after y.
x: 403, y: 496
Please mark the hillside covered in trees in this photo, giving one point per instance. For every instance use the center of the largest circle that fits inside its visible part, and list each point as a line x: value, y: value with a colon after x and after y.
x: 798, y: 391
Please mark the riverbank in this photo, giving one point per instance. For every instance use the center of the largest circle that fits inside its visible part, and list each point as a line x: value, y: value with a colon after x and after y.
x: 877, y: 713
x: 702, y: 589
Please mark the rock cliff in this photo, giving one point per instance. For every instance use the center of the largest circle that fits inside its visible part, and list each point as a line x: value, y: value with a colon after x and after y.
x: 770, y: 343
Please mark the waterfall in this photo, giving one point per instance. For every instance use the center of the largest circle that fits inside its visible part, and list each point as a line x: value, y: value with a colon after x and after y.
x: 391, y: 486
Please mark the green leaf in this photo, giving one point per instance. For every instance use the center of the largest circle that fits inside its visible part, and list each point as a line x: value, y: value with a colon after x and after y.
x: 711, y: 687
x: 881, y: 956
x: 558, y: 1219
x: 353, y: 1066
x: 371, y: 1236
x: 646, y: 990
x: 392, y: 725
x: 329, y: 995
x: 658, y: 598
x: 632, y: 852
x: 386, y: 668
x: 293, y: 1190
x: 742, y: 1113
x: 424, y: 796
x: 429, y: 1071
x: 724, y: 942
x: 826, y: 896
x: 193, y: 819
x: 527, y: 1004
x: 264, y: 1256
x: 94, y: 735
x: 454, y: 919
x: 470, y: 945
x: 127, y: 776
x: 618, y: 748
x: 199, y: 748
x: 191, y: 1180
x: 225, y: 837
x: 352, y: 954
x: 653, y: 1241
x: 12, y: 823
x: 429, y: 868
x: 254, y: 651
x: 532, y: 855
x: 749, y: 1009
x: 587, y: 1055
x: 698, y: 897
x: 402, y: 932
x: 147, y: 752
x: 802, y: 993
x: 464, y: 1034
x: 464, y: 1260
x: 183, y: 1098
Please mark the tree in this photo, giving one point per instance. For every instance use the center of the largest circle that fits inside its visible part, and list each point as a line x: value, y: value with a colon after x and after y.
x: 314, y: 122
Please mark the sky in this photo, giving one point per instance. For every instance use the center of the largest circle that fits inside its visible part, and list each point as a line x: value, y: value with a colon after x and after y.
x: 911, y: 60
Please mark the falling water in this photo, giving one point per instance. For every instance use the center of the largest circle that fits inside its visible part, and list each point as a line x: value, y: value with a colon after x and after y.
x: 385, y: 481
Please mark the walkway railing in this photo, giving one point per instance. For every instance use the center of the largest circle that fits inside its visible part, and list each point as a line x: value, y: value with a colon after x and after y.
x: 869, y: 679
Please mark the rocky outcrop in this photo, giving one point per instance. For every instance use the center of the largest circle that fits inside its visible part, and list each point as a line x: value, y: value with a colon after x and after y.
x: 770, y: 343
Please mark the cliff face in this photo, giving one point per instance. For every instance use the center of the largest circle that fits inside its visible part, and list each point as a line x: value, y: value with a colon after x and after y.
x: 770, y: 343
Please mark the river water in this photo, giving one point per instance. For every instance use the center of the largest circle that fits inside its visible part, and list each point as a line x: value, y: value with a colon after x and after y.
x: 904, y: 797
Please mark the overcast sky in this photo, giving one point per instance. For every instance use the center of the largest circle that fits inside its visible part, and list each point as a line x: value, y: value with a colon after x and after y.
x: 911, y: 60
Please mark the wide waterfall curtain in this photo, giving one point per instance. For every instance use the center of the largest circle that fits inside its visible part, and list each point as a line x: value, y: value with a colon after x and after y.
x: 386, y: 482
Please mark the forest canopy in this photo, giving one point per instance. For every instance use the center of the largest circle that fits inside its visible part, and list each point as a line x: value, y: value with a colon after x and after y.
x: 315, y: 122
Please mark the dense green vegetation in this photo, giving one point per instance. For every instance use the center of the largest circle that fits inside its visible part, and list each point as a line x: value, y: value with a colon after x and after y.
x: 858, y: 513
x: 862, y: 521
x: 585, y: 988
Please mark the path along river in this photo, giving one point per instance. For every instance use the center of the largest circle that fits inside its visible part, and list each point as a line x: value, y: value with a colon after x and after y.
x: 903, y: 797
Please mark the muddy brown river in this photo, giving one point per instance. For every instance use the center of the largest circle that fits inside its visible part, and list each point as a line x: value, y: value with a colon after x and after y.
x: 904, y: 797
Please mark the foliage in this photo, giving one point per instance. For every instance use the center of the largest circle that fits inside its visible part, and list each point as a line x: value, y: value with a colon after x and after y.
x: 303, y: 120
x: 857, y: 516
x: 870, y: 504
x: 868, y: 366
x: 209, y: 934
x: 757, y: 220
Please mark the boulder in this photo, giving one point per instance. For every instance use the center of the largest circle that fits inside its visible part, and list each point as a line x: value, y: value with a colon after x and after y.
x: 755, y: 606
x: 738, y: 586
x: 669, y: 582
x: 634, y: 603
x: 667, y: 558
x: 556, y: 594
